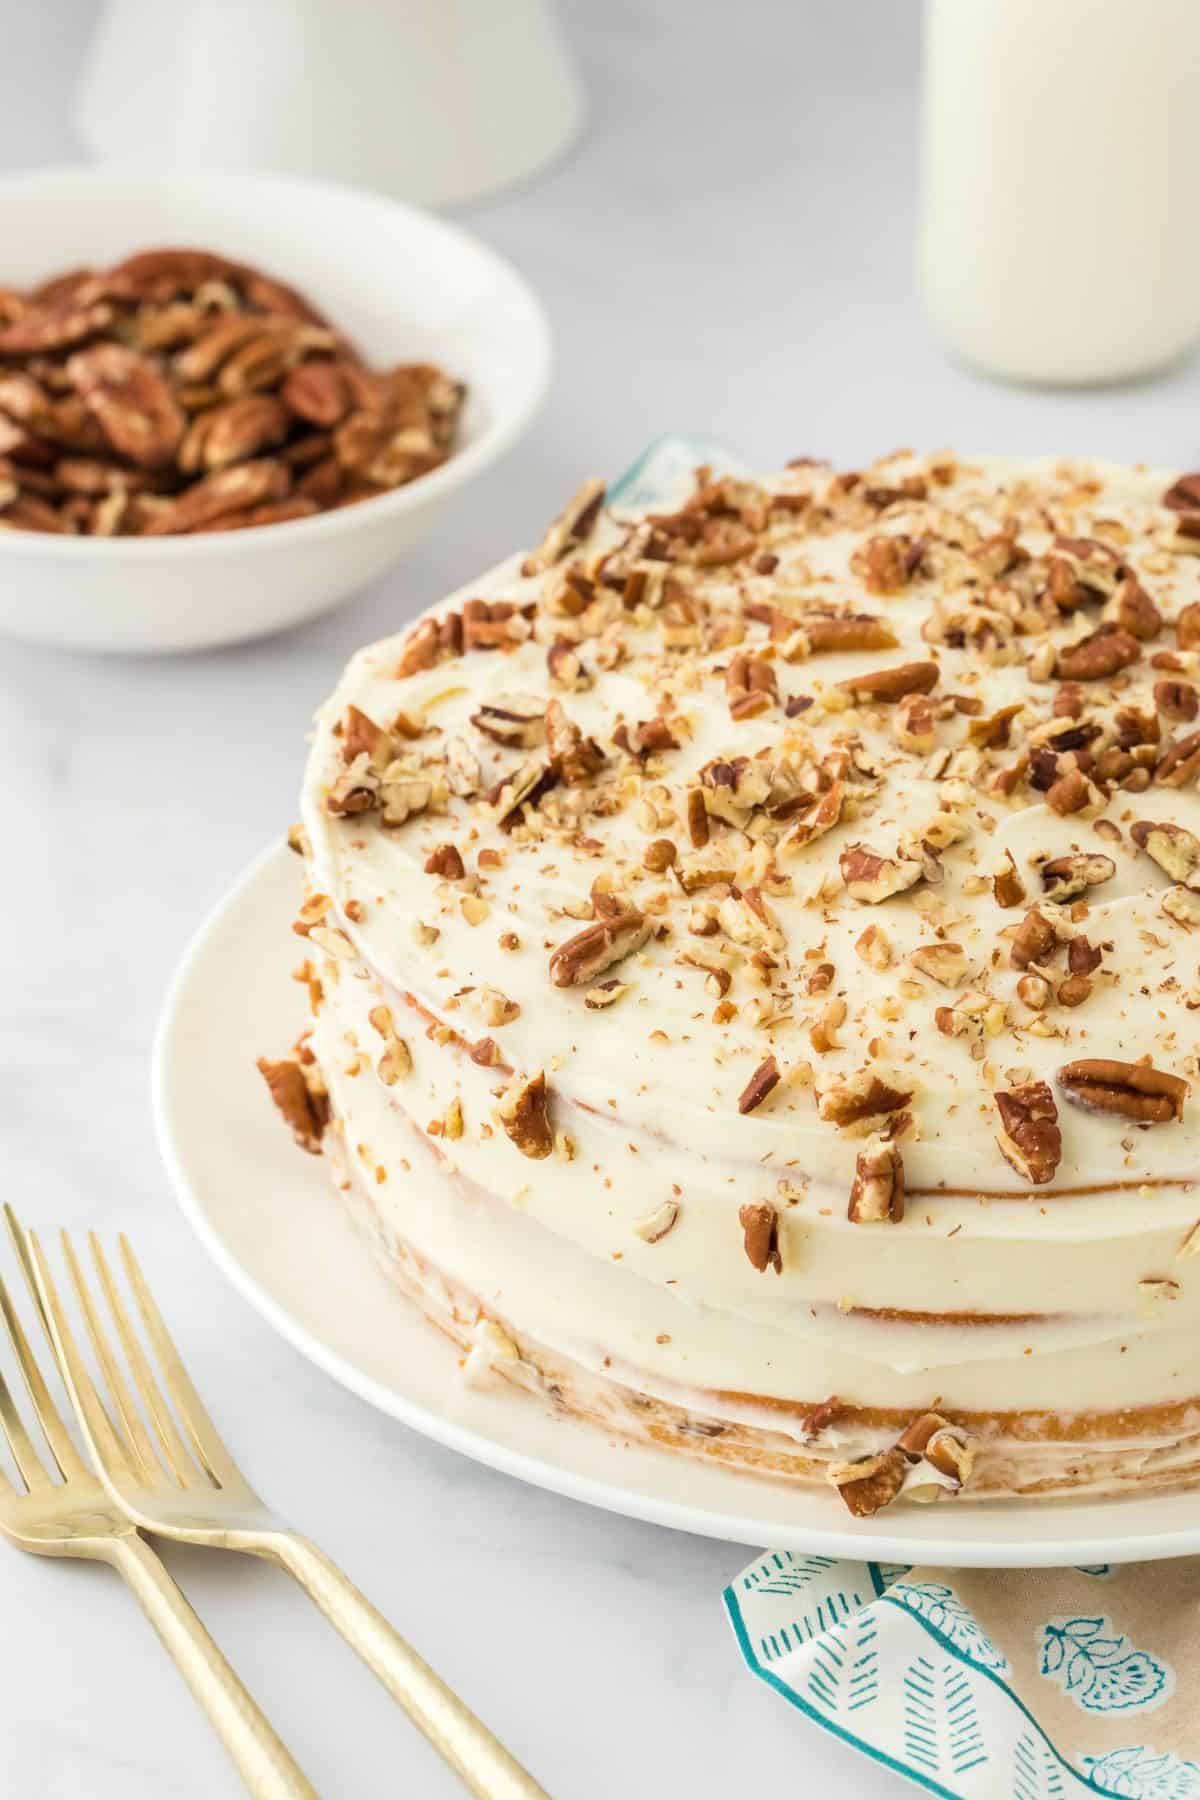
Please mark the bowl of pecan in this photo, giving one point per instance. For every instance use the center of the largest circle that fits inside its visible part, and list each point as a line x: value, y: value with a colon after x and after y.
x: 228, y: 402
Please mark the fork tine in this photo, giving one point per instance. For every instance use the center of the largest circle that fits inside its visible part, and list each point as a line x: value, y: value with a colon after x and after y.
x: 57, y: 1436
x: 205, y: 1437
x: 23, y: 1453
x: 67, y: 1460
x: 105, y: 1443
x: 147, y: 1464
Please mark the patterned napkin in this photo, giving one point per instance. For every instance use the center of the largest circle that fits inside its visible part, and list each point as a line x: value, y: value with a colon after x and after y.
x: 984, y: 1684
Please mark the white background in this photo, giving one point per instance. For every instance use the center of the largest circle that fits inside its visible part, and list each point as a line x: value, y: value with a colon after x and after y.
x: 728, y: 251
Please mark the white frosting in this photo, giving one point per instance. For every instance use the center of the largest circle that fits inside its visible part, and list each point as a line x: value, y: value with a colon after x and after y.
x: 647, y: 1089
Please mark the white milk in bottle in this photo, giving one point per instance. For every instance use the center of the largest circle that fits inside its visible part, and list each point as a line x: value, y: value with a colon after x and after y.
x: 1061, y: 162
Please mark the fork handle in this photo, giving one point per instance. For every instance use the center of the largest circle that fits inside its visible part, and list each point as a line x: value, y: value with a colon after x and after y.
x: 477, y: 1758
x: 263, y: 1761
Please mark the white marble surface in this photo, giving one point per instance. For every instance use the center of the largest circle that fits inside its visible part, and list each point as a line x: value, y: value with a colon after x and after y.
x: 730, y: 251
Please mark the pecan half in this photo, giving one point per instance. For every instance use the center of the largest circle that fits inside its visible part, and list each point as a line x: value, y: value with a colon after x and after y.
x: 1175, y: 850
x: 760, y: 1084
x: 1096, y: 657
x: 877, y: 1193
x: 1177, y: 700
x: 760, y: 1236
x: 130, y: 401
x: 597, y: 947
x: 524, y: 1111
x: 1134, y: 1091
x: 888, y: 685
x: 306, y: 1111
x: 1030, y: 1140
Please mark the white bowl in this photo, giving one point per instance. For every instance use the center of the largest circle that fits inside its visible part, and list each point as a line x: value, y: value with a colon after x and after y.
x: 403, y: 285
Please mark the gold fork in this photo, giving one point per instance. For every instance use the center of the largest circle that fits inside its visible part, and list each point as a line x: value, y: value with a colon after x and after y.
x: 194, y: 1491
x: 73, y: 1516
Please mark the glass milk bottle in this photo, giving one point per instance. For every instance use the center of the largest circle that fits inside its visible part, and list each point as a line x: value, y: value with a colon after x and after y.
x: 1061, y: 158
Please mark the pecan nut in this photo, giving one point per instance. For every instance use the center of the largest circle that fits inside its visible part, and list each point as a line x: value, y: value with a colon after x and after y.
x: 304, y: 1107
x: 1180, y: 762
x: 1094, y: 658
x: 1063, y: 877
x: 1030, y: 1140
x: 873, y: 878
x: 1134, y: 1091
x: 597, y: 947
x: 1174, y: 849
x: 524, y: 1111
x: 760, y: 1236
x: 760, y: 1084
x: 877, y: 1193
x: 870, y: 1483
x: 888, y: 685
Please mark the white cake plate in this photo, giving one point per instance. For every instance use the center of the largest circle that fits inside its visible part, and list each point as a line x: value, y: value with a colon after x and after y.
x: 269, y: 1217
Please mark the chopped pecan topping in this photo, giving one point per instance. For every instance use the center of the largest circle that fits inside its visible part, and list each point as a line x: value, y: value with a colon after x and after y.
x: 1094, y: 658
x: 1134, y: 611
x: 1033, y: 941
x: 1065, y: 876
x: 1030, y: 1140
x: 944, y: 962
x: 1187, y: 627
x: 396, y: 1061
x: 604, y: 995
x: 306, y: 1110
x: 874, y: 878
x: 524, y: 1111
x: 597, y: 947
x: 653, y: 1228
x: 833, y: 631
x: 1071, y: 793
x: 1184, y: 495
x: 760, y: 1084
x: 697, y: 818
x: 570, y: 529
x: 1180, y: 762
x: 1177, y: 700
x: 760, y: 1235
x: 863, y: 1096
x: 877, y: 1194
x: 1134, y: 1091
x: 887, y: 685
x: 445, y: 860
x: 751, y: 686
x: 914, y: 723
x: 493, y: 624
x: 1174, y: 849
x: 514, y: 720
x: 564, y: 665
x: 1007, y: 887
x: 887, y: 564
x: 576, y: 758
x: 870, y: 1483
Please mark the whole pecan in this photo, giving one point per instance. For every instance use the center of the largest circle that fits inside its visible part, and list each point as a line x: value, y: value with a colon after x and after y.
x: 130, y: 401
x: 760, y: 1236
x: 1030, y: 1139
x: 1134, y: 1091
x: 1177, y: 700
x: 888, y: 685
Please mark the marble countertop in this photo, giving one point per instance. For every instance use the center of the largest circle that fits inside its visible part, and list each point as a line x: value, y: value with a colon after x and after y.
x: 728, y: 251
